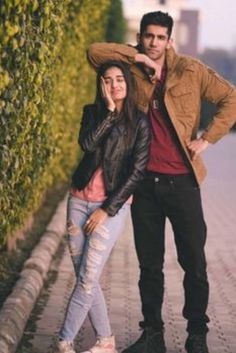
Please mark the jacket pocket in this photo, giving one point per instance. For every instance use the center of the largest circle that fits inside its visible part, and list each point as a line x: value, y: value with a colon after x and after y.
x: 183, y: 99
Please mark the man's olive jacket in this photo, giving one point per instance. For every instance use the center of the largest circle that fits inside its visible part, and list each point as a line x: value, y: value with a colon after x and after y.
x: 188, y: 82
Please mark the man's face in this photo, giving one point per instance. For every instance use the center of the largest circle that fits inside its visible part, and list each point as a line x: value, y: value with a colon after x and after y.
x: 154, y: 41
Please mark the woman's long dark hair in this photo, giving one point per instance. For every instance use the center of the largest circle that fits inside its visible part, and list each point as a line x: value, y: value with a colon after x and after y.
x: 129, y: 109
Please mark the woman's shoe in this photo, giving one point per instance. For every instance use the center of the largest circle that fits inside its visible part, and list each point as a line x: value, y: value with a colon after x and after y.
x: 104, y: 345
x: 61, y: 346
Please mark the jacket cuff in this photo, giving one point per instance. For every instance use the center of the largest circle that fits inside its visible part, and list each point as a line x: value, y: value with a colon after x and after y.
x: 112, y: 116
x: 111, y: 207
x: 206, y: 136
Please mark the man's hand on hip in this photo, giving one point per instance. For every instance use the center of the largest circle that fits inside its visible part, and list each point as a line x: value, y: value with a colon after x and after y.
x: 197, y: 146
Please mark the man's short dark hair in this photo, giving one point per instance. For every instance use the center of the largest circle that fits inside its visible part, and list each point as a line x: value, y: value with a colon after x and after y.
x: 157, y: 18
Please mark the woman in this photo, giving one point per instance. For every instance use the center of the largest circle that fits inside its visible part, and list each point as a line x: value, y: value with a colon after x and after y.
x: 114, y: 136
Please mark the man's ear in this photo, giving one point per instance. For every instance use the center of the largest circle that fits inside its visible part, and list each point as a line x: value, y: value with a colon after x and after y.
x: 170, y: 43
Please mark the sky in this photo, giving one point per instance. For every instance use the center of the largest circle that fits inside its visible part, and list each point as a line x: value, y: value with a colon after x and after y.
x: 217, y: 23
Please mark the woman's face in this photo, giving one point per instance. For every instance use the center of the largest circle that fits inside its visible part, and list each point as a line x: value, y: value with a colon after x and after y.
x: 115, y: 83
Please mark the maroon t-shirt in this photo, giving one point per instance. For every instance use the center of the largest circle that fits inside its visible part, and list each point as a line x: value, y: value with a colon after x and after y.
x: 166, y: 155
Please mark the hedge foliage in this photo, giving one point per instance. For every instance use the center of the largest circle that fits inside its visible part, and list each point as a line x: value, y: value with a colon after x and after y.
x: 44, y: 82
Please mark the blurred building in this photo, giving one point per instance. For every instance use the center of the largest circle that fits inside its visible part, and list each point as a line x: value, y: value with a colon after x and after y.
x: 186, y: 21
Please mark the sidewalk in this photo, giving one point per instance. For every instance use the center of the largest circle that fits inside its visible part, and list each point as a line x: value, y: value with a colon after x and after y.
x: 119, y: 280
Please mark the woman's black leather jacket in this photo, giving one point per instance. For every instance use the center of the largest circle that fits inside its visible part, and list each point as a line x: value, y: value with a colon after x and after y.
x: 102, y: 138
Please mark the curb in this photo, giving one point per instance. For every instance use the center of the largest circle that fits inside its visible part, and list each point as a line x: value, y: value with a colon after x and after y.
x: 19, y: 304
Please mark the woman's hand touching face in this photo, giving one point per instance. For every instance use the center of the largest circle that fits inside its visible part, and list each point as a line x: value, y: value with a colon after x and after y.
x: 107, y: 96
x: 114, y: 88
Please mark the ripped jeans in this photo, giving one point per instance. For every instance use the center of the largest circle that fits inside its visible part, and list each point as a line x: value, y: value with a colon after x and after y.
x: 89, y: 254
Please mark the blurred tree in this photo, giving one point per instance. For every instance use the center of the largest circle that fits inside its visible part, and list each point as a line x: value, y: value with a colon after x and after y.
x: 116, y: 26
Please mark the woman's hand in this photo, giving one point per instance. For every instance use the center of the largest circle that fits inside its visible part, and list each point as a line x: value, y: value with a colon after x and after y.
x: 107, y: 97
x: 96, y: 218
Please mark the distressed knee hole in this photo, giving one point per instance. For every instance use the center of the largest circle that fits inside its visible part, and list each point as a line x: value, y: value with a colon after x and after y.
x: 91, y: 267
x: 74, y: 250
x: 90, y: 271
x: 87, y: 288
x: 102, y: 231
x: 86, y: 281
x: 94, y: 257
x: 72, y: 228
x: 97, y: 244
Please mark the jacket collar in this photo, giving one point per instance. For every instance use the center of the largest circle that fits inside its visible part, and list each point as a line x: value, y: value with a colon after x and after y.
x: 176, y: 65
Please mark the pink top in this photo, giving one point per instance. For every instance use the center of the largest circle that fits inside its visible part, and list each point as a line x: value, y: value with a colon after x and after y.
x: 94, y: 191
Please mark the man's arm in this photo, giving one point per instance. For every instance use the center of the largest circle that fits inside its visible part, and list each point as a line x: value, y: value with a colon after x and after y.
x: 99, y: 53
x: 217, y: 90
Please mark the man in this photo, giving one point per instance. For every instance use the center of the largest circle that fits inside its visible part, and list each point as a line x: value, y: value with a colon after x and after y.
x: 170, y: 88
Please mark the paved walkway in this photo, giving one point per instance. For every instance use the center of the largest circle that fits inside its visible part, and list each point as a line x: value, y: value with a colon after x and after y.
x: 119, y: 280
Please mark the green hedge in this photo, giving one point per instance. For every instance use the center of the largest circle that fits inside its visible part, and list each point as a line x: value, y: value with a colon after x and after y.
x: 44, y: 81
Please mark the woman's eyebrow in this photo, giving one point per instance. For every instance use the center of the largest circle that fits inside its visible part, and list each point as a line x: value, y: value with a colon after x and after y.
x: 115, y: 76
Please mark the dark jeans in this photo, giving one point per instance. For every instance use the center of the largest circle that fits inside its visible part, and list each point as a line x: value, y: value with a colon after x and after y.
x: 177, y: 197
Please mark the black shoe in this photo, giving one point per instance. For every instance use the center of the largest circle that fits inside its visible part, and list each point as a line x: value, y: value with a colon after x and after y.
x: 155, y: 341
x: 196, y: 343
x: 151, y: 341
x: 139, y: 346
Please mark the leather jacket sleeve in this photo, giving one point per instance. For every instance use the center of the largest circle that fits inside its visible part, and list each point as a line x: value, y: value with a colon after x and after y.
x: 139, y: 161
x: 93, y: 129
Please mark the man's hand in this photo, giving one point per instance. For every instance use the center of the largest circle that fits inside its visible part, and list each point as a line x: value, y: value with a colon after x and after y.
x: 150, y: 64
x: 196, y: 147
x: 96, y: 218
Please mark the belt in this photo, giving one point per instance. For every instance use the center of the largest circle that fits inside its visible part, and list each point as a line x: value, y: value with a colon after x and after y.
x: 171, y: 178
